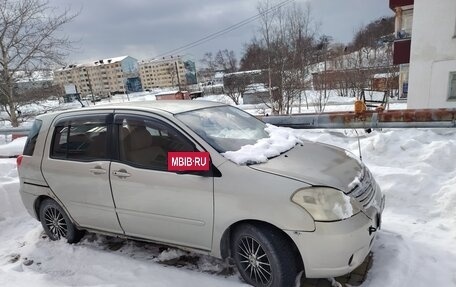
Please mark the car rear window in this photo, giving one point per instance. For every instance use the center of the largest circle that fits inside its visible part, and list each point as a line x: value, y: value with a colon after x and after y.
x: 29, y: 147
x: 84, y: 139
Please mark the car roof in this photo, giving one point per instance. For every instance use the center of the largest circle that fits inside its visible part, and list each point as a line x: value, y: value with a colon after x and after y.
x: 171, y: 106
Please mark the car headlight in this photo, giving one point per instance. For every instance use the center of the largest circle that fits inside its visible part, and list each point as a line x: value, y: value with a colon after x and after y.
x: 325, y: 203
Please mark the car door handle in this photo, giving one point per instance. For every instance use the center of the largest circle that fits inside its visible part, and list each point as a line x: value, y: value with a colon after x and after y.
x: 97, y: 171
x: 121, y: 173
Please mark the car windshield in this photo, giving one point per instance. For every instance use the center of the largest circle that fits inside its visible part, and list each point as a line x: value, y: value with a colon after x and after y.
x: 224, y: 128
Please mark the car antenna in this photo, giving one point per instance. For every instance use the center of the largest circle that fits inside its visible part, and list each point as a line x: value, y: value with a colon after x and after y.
x: 82, y: 105
x: 359, y: 145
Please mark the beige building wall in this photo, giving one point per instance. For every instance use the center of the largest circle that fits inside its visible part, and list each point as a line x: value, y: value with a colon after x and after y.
x: 105, y: 78
x: 164, y: 72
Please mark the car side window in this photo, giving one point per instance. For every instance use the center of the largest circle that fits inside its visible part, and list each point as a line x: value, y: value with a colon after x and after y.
x: 81, y: 139
x: 145, y: 142
x: 29, y: 147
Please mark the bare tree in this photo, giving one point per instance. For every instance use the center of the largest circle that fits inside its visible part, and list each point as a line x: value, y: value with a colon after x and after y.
x: 287, y: 36
x: 226, y: 61
x: 235, y: 85
x: 303, y: 30
x: 267, y: 20
x: 171, y: 70
x: 254, y: 56
x: 321, y: 99
x: 28, y: 42
x: 229, y: 86
x: 369, y: 54
x: 30, y: 92
x: 210, y: 66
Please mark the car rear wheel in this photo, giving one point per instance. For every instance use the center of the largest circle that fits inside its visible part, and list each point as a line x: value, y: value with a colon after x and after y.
x: 56, y: 222
x: 264, y: 256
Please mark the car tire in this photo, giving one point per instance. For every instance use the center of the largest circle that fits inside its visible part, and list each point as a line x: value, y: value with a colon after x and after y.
x: 56, y: 222
x: 264, y: 256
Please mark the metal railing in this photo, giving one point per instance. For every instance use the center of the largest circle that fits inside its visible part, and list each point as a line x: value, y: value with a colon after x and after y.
x: 425, y: 118
x: 14, y: 132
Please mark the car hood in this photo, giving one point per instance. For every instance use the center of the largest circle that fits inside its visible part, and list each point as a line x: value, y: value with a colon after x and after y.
x: 316, y: 164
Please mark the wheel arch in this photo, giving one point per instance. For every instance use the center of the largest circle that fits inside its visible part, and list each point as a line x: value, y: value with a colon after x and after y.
x: 41, y: 198
x: 37, y: 204
x: 225, y: 242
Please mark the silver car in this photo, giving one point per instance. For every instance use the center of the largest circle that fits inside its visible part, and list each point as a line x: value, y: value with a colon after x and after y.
x: 106, y: 169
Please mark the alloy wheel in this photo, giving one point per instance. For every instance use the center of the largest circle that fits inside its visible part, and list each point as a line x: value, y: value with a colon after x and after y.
x: 254, y: 260
x: 55, y: 222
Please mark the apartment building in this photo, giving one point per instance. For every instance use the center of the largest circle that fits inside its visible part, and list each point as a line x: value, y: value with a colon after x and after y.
x: 102, y: 77
x: 403, y: 10
x: 425, y: 47
x: 171, y: 71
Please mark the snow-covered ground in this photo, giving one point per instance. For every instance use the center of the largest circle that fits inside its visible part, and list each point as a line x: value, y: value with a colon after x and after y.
x: 334, y: 103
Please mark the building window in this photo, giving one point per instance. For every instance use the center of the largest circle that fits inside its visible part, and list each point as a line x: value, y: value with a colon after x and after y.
x: 452, y: 86
x: 454, y: 35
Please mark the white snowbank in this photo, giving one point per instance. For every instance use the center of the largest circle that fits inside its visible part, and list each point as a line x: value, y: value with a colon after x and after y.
x: 416, y: 170
x: 280, y: 140
x: 13, y: 148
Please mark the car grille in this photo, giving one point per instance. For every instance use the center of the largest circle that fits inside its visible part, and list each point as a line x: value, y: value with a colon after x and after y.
x: 364, y: 191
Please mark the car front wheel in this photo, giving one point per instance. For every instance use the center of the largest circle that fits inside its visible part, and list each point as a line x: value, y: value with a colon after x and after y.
x: 264, y: 256
x: 56, y: 222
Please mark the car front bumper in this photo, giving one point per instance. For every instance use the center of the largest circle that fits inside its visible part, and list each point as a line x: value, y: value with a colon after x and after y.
x: 336, y: 248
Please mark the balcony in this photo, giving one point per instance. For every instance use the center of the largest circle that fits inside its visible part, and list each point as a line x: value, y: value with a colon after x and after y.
x: 403, y: 35
x: 399, y: 3
x: 401, y: 51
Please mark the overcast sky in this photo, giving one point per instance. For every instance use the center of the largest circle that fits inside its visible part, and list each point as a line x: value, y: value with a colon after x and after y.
x: 146, y: 28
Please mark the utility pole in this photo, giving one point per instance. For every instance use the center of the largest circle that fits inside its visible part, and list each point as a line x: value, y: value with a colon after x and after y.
x: 324, y: 75
x: 177, y: 73
x: 126, y: 89
x: 90, y: 86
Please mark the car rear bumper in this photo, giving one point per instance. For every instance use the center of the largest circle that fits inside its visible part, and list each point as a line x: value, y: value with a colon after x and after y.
x: 336, y: 248
x: 28, y: 199
x: 30, y: 191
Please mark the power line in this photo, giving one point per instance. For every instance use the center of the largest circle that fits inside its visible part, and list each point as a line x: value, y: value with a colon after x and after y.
x: 228, y: 29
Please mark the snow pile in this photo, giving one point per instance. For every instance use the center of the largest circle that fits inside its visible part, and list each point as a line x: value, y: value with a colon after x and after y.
x: 280, y: 140
x: 13, y: 148
x: 170, y: 254
x: 416, y: 170
x: 9, y: 197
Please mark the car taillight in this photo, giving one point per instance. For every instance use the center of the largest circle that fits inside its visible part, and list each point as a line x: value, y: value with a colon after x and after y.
x: 19, y: 161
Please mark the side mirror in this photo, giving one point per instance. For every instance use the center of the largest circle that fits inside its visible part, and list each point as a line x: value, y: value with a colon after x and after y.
x: 212, y: 172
